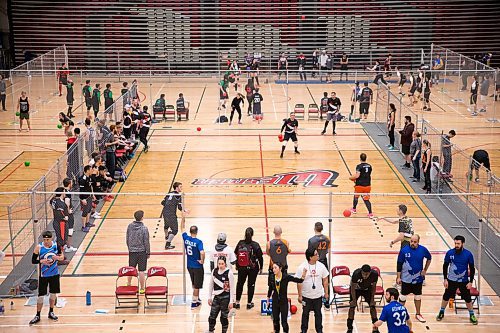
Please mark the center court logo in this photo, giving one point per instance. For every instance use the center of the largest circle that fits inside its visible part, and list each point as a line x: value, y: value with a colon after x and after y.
x: 314, y: 178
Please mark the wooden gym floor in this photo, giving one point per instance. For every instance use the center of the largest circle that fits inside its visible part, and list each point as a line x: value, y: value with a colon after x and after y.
x: 178, y: 152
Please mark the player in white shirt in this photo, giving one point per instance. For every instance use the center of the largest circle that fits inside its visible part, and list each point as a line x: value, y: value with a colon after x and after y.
x: 221, y: 249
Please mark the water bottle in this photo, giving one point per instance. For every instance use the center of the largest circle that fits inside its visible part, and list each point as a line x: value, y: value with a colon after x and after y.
x: 11, y: 305
x: 2, y: 308
x: 88, y: 298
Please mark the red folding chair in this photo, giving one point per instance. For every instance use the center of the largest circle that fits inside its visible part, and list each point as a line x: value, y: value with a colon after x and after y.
x: 379, y: 290
x: 170, y: 111
x: 474, y: 294
x: 157, y: 293
x: 299, y: 111
x: 127, y: 295
x: 312, y: 112
x: 341, y: 293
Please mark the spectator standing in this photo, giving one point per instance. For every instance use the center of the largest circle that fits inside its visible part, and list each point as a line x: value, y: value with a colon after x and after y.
x: 406, y: 139
x: 416, y: 154
x: 344, y: 62
x: 446, y: 150
x: 139, y: 248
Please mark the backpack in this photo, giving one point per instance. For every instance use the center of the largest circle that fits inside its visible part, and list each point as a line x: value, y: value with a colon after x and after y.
x: 221, y: 119
x: 245, y: 255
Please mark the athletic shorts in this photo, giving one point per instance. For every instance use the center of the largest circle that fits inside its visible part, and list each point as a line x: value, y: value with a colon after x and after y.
x: 139, y: 260
x: 412, y: 90
x: 480, y: 158
x: 222, y: 97
x: 366, y: 294
x: 409, y: 288
x: 364, y: 108
x: 427, y: 95
x: 170, y: 225
x: 71, y: 221
x: 289, y: 136
x: 52, y: 282
x: 451, y: 291
x: 24, y: 115
x: 86, y: 209
x: 257, y: 109
x: 405, y: 149
x: 331, y: 116
x: 88, y: 103
x: 63, y: 81
x: 196, y: 275
x: 473, y: 99
x: 362, y: 189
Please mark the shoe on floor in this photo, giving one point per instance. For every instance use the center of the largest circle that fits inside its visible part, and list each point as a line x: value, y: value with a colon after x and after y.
x: 420, y: 318
x: 353, y: 211
x: 371, y: 216
x: 169, y: 247
x: 53, y: 316
x: 250, y: 306
x: 236, y: 306
x: 35, y: 320
x: 70, y: 249
x: 473, y: 319
x: 194, y: 305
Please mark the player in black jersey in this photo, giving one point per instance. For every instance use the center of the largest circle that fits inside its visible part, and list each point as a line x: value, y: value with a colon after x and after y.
x: 87, y: 94
x: 365, y: 99
x: 235, y: 106
x: 323, y: 105
x: 412, y: 89
x: 363, y: 283
x: 108, y: 101
x: 282, y: 66
x: 144, y: 125
x: 473, y: 96
x: 362, y: 184
x: 290, y: 126
x: 333, y: 112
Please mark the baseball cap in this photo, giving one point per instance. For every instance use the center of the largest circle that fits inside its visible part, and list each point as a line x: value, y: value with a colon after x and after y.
x: 221, y: 238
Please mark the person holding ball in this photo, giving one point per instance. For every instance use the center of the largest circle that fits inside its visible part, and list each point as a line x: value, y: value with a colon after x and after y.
x: 47, y: 254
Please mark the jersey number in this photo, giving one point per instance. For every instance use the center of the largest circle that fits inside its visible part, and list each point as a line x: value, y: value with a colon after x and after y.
x: 189, y: 250
x: 322, y: 246
x: 398, y: 321
x: 278, y: 250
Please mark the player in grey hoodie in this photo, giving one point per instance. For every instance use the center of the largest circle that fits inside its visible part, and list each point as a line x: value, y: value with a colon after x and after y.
x: 138, y: 247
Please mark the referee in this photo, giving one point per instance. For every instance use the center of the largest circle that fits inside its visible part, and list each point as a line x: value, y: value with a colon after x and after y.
x: 290, y: 126
x: 171, y: 203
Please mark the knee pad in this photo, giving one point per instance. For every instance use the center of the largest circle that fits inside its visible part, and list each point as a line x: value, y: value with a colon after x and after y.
x: 418, y: 297
x: 402, y: 298
x: 53, y: 296
x: 70, y: 232
x: 39, y: 300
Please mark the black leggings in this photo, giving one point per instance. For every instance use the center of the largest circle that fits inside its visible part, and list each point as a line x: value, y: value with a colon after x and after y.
x: 427, y: 177
x: 243, y: 273
x: 143, y: 135
x: 391, y: 135
x: 237, y: 109
x: 280, y: 309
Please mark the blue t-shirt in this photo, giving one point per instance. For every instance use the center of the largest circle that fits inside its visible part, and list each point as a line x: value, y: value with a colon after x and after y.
x: 459, y: 265
x: 413, y: 263
x: 47, y: 253
x: 193, y: 246
x: 395, y: 315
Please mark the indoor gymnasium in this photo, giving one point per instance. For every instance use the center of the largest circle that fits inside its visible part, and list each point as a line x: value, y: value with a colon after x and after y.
x: 234, y: 166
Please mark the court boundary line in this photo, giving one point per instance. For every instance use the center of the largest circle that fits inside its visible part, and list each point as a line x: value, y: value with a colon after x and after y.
x: 404, y: 186
x: 264, y: 189
x: 199, y: 103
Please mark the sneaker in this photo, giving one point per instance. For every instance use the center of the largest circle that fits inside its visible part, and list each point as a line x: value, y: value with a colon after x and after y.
x: 482, y: 110
x: 85, y: 229
x: 389, y: 145
x: 334, y: 133
x: 420, y: 318
x: 53, y: 316
x: 353, y: 211
x: 141, y: 291
x: 70, y: 249
x: 236, y: 305
x: 474, y: 114
x: 323, y: 132
x: 90, y: 225
x: 169, y: 247
x: 476, y: 180
x: 440, y: 316
x: 349, y: 330
x: 108, y: 199
x: 35, y: 320
x: 96, y: 215
x: 250, y: 306
x: 326, y: 303
x: 473, y: 319
x: 371, y: 216
x: 375, y: 330
x: 194, y: 305
x: 393, y: 149
x: 281, y: 155
x: 415, y: 180
x: 297, y: 152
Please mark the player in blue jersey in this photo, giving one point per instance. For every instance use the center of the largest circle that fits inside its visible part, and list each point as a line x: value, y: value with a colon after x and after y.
x: 411, y: 272
x: 394, y: 314
x: 46, y: 254
x: 195, y: 258
x: 458, y: 272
